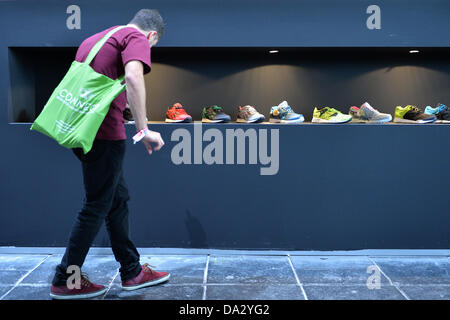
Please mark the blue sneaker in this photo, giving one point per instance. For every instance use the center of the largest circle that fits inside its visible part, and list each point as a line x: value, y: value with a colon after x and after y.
x: 434, y: 111
x: 442, y: 113
x: 283, y: 113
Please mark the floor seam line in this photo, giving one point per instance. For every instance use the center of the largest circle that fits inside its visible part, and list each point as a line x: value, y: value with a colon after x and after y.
x: 205, y: 277
x: 297, y: 278
x: 110, y: 284
x: 250, y: 284
x: 390, y: 281
x: 24, y: 276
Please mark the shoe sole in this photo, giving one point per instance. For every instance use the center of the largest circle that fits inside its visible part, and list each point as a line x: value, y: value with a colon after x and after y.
x: 134, y: 122
x: 78, y: 296
x: 370, y: 121
x: 178, y: 121
x: 442, y: 121
x: 300, y: 120
x: 317, y: 120
x: 146, y: 284
x: 399, y: 120
x: 213, y: 121
x: 250, y: 121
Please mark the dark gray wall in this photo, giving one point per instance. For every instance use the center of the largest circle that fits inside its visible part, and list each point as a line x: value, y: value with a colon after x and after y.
x: 237, y: 22
x: 339, y: 187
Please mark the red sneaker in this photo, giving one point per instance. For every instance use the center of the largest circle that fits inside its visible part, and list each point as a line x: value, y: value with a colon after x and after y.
x: 87, y: 290
x: 177, y: 114
x: 146, y: 278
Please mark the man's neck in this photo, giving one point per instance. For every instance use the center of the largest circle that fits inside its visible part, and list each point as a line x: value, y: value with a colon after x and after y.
x: 136, y: 27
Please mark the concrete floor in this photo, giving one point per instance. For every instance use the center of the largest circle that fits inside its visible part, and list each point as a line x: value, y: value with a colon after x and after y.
x: 236, y: 275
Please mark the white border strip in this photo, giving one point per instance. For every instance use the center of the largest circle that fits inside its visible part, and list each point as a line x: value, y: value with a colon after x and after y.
x: 205, y: 278
x: 191, y: 251
x: 23, y: 277
x: 297, y: 278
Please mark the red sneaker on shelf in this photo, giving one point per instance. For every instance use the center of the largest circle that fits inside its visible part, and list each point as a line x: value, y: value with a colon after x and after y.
x: 177, y: 114
x: 87, y: 290
x: 146, y: 278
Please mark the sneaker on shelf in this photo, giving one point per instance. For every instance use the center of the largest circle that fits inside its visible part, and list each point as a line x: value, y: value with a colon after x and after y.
x: 442, y: 113
x: 283, y: 113
x: 87, y: 290
x: 128, y: 116
x: 248, y: 114
x: 176, y: 113
x: 329, y: 115
x: 368, y: 114
x: 214, y: 114
x: 146, y: 278
x: 412, y: 114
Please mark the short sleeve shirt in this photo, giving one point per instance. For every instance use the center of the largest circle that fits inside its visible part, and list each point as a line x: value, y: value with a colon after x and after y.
x: 123, y: 46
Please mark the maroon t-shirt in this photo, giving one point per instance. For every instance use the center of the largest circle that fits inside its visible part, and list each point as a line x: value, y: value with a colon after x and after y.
x: 123, y: 46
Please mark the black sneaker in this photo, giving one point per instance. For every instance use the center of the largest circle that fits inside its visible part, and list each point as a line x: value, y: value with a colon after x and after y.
x: 128, y: 116
x: 412, y: 114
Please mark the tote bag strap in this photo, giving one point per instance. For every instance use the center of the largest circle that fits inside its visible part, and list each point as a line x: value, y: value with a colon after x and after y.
x: 121, y: 78
x: 100, y: 44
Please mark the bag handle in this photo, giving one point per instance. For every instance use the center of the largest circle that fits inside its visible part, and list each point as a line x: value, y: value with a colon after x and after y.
x: 100, y: 44
x: 121, y: 78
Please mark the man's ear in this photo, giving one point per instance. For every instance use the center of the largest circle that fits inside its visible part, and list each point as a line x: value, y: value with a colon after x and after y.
x: 152, y: 33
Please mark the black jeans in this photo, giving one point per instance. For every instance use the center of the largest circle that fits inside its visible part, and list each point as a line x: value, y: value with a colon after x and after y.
x: 106, y: 200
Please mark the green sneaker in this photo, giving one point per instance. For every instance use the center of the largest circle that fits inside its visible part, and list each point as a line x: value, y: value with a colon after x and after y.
x: 330, y: 115
x: 214, y: 114
x: 412, y: 114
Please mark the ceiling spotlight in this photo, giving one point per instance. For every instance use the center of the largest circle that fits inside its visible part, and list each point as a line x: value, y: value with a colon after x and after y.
x: 273, y: 51
x: 413, y: 51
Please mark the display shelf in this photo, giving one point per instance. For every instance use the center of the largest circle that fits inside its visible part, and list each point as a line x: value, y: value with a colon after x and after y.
x: 229, y: 77
x: 273, y: 124
x: 293, y: 125
x: 338, y: 187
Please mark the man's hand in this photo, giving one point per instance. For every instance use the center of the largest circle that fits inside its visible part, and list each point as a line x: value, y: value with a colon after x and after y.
x: 152, y: 137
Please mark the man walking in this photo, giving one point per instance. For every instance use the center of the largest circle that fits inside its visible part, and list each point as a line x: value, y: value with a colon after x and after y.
x: 126, y: 51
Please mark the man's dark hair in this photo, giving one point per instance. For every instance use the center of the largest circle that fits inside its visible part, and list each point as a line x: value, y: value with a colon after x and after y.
x: 149, y: 20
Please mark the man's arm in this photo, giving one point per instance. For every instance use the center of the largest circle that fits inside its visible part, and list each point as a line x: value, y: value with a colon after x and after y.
x: 134, y: 77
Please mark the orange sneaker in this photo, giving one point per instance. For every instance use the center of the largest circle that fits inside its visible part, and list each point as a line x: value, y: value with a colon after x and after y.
x: 177, y: 114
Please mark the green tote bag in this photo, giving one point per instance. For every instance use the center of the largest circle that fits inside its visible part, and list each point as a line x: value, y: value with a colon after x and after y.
x: 78, y: 106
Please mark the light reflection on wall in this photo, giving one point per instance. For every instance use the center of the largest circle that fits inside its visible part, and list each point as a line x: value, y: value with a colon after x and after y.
x: 304, y: 84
